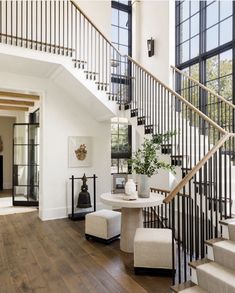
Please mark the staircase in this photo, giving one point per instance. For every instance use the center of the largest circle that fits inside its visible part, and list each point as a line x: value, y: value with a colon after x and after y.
x: 216, y: 273
x: 202, y: 149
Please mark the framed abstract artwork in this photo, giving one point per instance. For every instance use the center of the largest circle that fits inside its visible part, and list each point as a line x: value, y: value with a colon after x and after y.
x: 80, y: 151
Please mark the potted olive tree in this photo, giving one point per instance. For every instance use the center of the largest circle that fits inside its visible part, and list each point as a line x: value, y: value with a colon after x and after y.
x: 146, y: 163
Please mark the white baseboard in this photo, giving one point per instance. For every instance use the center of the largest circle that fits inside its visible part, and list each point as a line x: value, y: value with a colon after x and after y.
x: 52, y: 214
x: 60, y: 213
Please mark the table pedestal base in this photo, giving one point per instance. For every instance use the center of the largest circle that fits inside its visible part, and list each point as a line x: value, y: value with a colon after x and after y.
x: 132, y: 219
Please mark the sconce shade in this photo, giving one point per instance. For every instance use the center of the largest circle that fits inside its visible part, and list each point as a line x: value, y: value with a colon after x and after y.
x: 150, y: 45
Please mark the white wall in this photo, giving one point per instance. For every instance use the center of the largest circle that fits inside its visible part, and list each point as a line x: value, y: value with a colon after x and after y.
x: 61, y: 117
x: 6, y: 132
x: 99, y: 12
x: 154, y: 19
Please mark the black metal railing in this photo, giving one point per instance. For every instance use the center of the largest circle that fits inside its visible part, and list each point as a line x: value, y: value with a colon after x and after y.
x: 216, y: 107
x: 61, y: 27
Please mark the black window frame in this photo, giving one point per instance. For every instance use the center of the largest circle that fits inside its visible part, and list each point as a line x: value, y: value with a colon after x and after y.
x: 122, y: 79
x: 203, y: 54
x: 123, y: 155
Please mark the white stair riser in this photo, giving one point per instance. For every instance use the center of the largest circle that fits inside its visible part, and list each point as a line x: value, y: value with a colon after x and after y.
x: 225, y: 233
x: 194, y: 276
x: 210, y: 253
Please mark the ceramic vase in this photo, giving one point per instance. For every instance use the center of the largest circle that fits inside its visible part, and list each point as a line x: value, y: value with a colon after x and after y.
x: 130, y: 189
x: 143, y: 186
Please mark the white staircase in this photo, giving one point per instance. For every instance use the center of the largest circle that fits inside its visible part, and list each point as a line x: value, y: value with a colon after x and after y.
x: 216, y: 273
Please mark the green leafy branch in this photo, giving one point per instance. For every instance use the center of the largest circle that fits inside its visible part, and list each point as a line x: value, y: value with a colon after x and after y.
x: 145, y: 160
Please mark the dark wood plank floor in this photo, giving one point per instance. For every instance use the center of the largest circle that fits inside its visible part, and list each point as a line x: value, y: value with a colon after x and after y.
x: 54, y: 256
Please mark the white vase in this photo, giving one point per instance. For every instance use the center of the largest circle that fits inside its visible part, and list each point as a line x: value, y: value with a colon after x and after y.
x: 143, y: 186
x: 130, y: 189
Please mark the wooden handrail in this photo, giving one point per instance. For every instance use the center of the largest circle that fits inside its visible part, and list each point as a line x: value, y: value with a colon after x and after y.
x: 154, y: 189
x: 205, y: 117
x: 181, y: 98
x: 196, y: 168
x: 204, y: 87
x: 35, y: 42
x: 92, y: 23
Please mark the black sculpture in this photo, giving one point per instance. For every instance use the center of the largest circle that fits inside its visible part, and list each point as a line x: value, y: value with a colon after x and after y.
x: 84, y: 200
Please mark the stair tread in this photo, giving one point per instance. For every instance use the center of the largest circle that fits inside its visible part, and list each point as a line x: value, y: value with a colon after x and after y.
x: 193, y: 289
x: 224, y: 253
x: 194, y: 264
x: 211, y: 242
x: 227, y: 221
x: 79, y: 61
x: 217, y: 271
x: 183, y: 286
x: 226, y: 244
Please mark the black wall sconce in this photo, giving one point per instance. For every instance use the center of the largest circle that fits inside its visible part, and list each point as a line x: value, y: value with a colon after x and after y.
x: 150, y: 45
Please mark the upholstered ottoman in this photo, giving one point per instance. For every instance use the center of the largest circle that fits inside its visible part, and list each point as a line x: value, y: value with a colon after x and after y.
x: 153, y: 250
x: 103, y: 225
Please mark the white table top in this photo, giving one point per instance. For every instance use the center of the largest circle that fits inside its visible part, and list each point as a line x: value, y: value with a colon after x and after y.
x: 117, y: 200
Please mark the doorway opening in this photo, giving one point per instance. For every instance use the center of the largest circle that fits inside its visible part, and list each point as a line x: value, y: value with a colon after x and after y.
x: 19, y: 152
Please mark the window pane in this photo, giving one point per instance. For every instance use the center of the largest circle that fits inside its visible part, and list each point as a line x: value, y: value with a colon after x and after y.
x: 114, y: 166
x: 123, y: 1
x: 213, y: 85
x: 115, y: 16
x: 226, y: 64
x: 212, y: 38
x: 184, y: 10
x: 195, y: 25
x: 123, y: 129
x: 123, y: 36
x: 123, y: 49
x: 194, y: 71
x: 184, y: 31
x: 194, y: 47
x: 184, y: 52
x: 225, y: 87
x: 194, y: 6
x: 212, y: 68
x: 226, y: 9
x: 209, y: 2
x: 114, y: 34
x: 123, y: 19
x: 123, y: 166
x: 114, y: 128
x: 212, y: 14
x: 226, y: 31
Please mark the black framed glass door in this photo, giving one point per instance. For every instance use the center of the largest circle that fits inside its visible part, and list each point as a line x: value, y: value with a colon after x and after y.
x: 25, y: 164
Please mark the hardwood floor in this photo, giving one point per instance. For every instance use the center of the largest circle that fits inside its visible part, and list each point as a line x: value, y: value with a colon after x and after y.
x: 5, y: 193
x: 54, y: 256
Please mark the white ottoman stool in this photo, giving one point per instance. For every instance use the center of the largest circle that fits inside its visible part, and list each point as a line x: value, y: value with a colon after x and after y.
x: 153, y: 250
x: 103, y: 225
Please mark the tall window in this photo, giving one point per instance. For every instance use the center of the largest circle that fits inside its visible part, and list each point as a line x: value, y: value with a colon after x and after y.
x: 120, y: 130
x: 120, y: 145
x: 121, y: 26
x: 121, y: 39
x: 205, y: 43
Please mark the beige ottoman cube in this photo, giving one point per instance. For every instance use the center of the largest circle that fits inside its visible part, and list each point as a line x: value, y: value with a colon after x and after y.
x: 104, y: 225
x: 153, y: 250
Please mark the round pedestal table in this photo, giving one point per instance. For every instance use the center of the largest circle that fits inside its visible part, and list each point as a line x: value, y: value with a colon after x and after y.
x: 132, y: 214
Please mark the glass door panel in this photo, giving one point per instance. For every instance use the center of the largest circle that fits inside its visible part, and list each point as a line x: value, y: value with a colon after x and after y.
x: 26, y: 164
